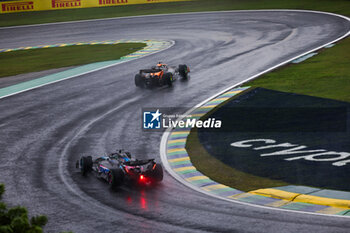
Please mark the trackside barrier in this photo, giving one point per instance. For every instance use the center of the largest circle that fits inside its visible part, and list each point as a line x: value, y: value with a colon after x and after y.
x: 43, y: 5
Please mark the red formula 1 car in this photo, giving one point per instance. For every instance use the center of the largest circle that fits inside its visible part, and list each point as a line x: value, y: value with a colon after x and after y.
x: 160, y: 75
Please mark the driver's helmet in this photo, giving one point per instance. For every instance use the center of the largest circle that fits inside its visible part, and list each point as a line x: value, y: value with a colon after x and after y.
x: 161, y: 65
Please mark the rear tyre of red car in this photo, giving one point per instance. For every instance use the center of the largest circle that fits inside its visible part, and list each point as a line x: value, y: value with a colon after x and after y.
x: 85, y: 164
x: 183, y: 71
x: 157, y: 173
x: 168, y: 79
x: 116, y: 177
x: 138, y: 80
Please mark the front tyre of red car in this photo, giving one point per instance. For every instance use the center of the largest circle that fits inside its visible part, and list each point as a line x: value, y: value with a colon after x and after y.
x: 115, y: 177
x: 184, y: 71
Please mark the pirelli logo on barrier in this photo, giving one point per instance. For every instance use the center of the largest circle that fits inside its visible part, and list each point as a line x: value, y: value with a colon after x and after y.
x: 44, y: 5
x: 17, y: 6
x: 66, y: 3
x: 111, y: 2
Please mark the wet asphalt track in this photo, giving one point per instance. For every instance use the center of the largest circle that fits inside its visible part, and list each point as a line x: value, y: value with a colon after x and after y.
x: 45, y: 130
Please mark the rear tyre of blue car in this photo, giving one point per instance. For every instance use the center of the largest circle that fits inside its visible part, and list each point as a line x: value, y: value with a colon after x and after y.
x: 157, y: 173
x: 116, y: 177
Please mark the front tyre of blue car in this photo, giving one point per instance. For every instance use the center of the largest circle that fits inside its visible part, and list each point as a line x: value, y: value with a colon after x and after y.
x: 85, y: 164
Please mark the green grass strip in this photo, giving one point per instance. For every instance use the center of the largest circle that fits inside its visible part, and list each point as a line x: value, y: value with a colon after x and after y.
x: 24, y: 61
x: 325, y: 75
x: 335, y: 6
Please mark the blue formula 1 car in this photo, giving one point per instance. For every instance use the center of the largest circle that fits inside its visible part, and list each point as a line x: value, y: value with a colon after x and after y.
x: 118, y: 168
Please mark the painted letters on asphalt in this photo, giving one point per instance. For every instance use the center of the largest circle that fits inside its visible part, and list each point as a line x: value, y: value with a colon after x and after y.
x: 292, y: 149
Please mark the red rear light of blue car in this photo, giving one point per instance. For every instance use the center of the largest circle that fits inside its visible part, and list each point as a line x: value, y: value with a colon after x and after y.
x: 142, y: 178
